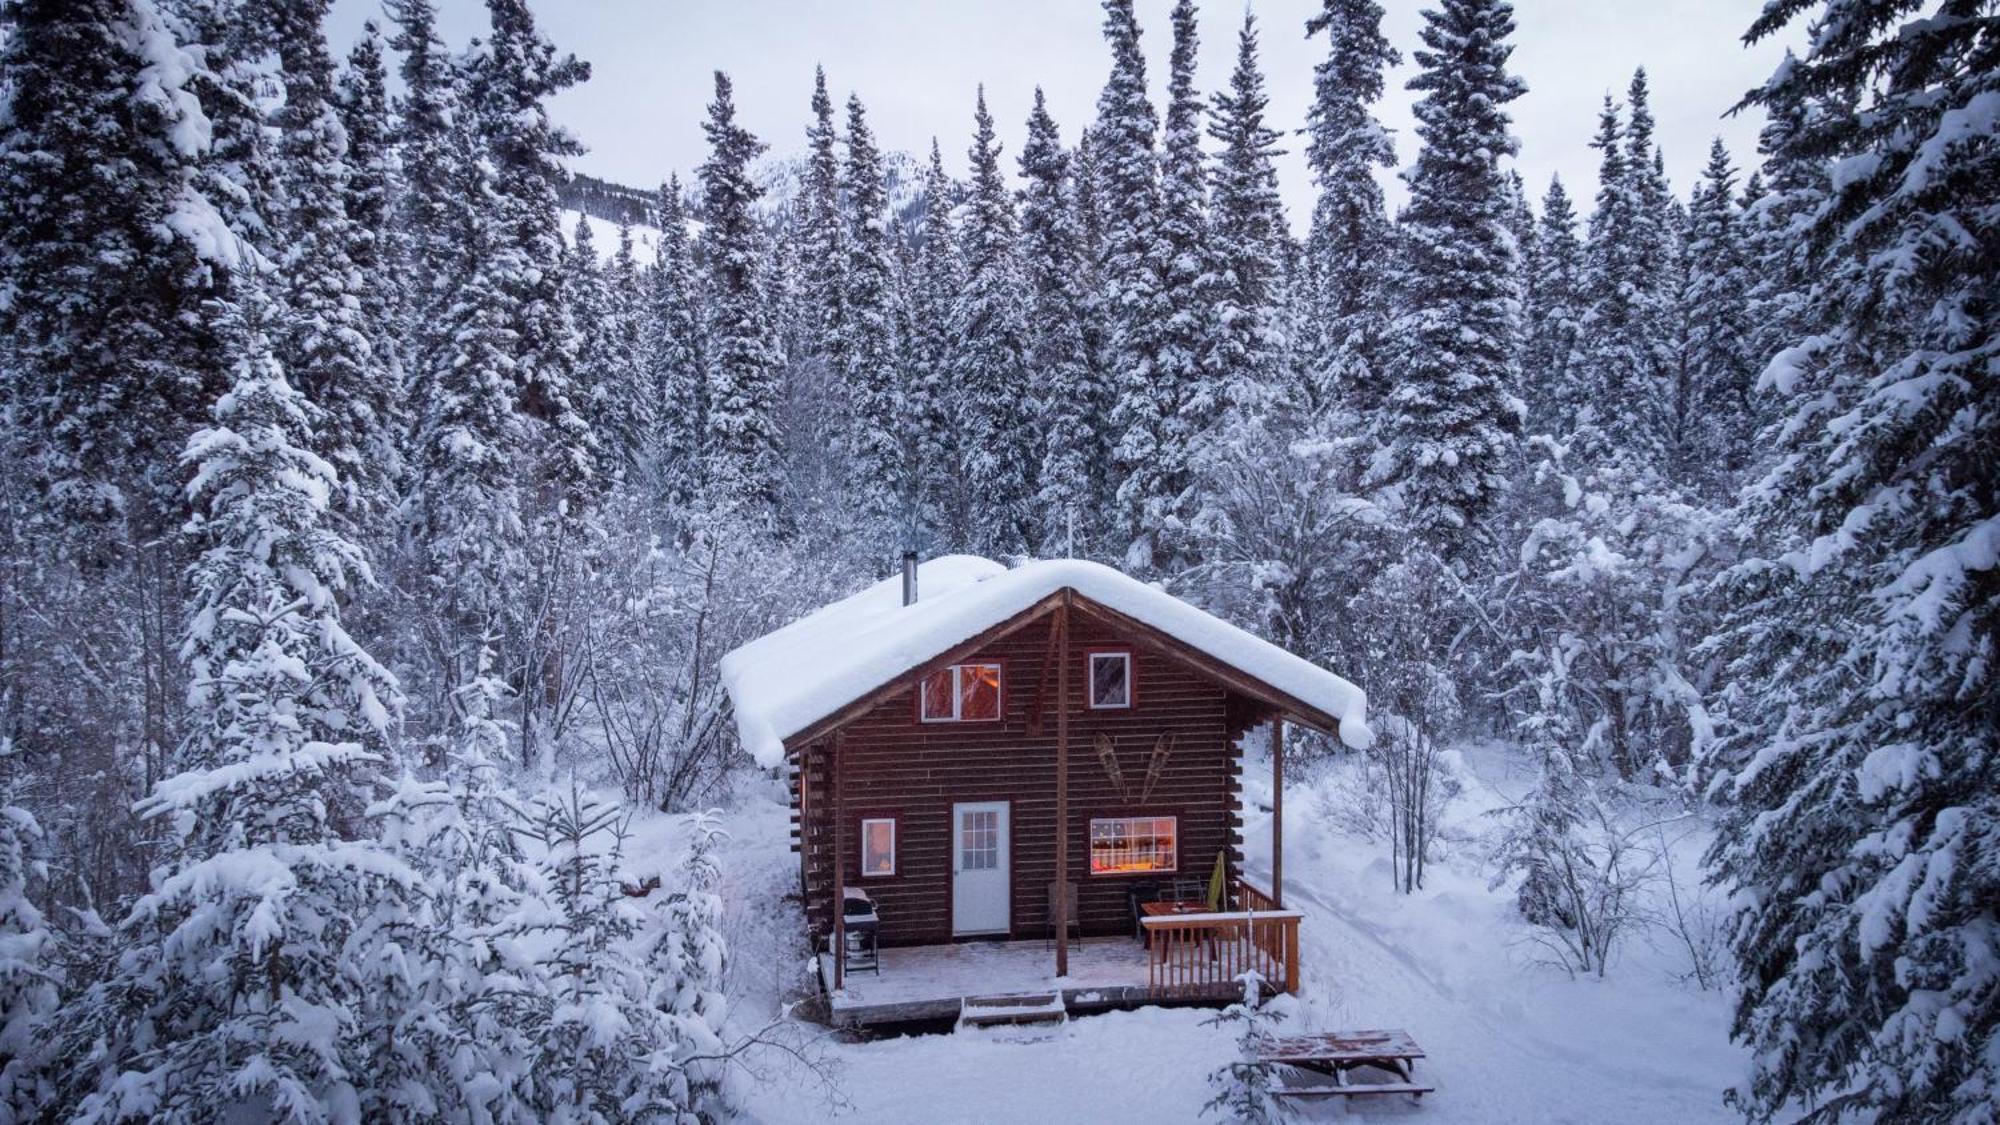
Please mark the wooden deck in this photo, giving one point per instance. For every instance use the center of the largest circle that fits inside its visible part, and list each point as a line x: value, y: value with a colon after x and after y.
x: 930, y: 983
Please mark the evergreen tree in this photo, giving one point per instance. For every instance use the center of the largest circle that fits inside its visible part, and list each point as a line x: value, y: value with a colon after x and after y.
x: 1861, y: 771
x: 1350, y: 245
x: 1551, y: 365
x: 512, y: 81
x: 1247, y: 231
x: 869, y: 345
x: 1713, y: 414
x: 373, y: 184
x: 427, y: 217
x: 1448, y: 426
x: 676, y: 359
x: 234, y: 995
x: 743, y: 443
x: 1074, y: 493
x: 1127, y: 190
x: 1615, y: 406
x: 823, y: 255
x: 990, y: 496
x: 1791, y: 186
x: 1188, y: 399
x: 327, y: 343
x: 110, y: 252
x: 932, y: 399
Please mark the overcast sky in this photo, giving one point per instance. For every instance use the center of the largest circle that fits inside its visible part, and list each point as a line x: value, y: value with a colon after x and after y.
x: 916, y: 62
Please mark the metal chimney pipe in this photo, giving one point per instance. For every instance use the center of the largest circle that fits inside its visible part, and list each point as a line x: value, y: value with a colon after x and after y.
x: 909, y: 577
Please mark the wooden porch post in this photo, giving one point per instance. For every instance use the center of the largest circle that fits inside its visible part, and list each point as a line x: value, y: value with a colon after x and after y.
x: 1061, y: 904
x: 1278, y: 810
x: 839, y: 872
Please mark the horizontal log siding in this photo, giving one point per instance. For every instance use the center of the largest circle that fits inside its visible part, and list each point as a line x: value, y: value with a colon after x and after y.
x: 893, y: 765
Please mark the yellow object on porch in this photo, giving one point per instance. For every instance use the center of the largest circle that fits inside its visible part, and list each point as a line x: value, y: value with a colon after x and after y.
x: 1217, y: 879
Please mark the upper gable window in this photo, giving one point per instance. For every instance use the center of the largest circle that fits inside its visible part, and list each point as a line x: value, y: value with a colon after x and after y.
x: 962, y: 693
x: 1110, y: 680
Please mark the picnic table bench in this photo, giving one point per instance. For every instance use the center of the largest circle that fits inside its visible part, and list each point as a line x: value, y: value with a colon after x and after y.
x: 1335, y: 1054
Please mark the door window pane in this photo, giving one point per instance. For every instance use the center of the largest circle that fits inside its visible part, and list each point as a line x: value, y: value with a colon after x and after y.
x: 979, y: 840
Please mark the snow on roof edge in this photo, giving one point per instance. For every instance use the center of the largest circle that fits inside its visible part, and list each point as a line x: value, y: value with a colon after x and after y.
x: 797, y: 675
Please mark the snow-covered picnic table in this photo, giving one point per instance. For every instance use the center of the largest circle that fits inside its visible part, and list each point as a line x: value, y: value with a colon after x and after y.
x: 1335, y: 1054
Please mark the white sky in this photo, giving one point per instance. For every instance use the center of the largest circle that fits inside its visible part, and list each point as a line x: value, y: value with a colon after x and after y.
x: 915, y: 63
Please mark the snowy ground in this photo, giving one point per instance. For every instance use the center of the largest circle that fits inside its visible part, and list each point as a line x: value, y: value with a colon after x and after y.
x: 1509, y: 1039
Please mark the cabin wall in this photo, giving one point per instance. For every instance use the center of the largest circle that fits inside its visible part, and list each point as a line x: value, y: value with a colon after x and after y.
x: 893, y: 765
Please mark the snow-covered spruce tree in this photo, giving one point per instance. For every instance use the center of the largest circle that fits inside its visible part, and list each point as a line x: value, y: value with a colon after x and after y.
x: 1449, y: 420
x: 676, y: 361
x: 822, y: 279
x: 327, y: 343
x: 374, y: 183
x: 1712, y: 419
x: 606, y: 1050
x: 1247, y: 233
x: 743, y: 445
x: 932, y: 401
x: 878, y: 413
x: 512, y: 79
x: 993, y: 488
x: 426, y: 215
x: 1778, y: 207
x: 689, y: 962
x: 108, y: 252
x: 1860, y: 766
x: 28, y: 976
x: 1550, y: 359
x: 1074, y: 494
x: 464, y: 522
x: 1187, y: 401
x: 1351, y: 244
x: 233, y: 993
x: 1127, y: 191
x: 620, y: 404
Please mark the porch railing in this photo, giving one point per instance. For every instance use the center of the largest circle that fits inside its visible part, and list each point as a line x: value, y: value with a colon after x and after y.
x: 1204, y: 955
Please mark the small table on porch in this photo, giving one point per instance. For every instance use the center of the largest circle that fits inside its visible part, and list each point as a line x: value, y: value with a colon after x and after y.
x: 1172, y: 906
x: 1337, y: 1053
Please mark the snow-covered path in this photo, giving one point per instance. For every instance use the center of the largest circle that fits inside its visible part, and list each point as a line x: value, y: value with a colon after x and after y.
x: 1509, y: 1040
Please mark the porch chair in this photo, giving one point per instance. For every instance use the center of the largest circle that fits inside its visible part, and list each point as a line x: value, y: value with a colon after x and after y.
x: 1075, y: 929
x: 1136, y: 894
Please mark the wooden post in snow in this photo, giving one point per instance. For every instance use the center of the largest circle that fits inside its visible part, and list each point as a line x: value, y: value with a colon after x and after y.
x: 1278, y: 810
x: 839, y: 871
x: 1061, y: 904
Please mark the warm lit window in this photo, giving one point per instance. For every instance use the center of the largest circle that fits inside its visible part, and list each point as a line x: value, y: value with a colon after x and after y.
x: 1110, y: 679
x: 962, y: 693
x: 878, y: 846
x: 1125, y: 844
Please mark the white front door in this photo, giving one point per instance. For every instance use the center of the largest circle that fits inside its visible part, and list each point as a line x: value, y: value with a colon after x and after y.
x: 979, y: 868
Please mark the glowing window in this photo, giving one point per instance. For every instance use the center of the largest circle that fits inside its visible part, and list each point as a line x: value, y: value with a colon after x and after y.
x: 962, y: 693
x: 878, y: 846
x: 1110, y: 680
x: 1124, y: 845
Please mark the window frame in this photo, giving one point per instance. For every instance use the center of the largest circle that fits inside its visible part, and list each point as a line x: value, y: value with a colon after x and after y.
x: 861, y: 845
x: 1089, y: 829
x: 958, y: 692
x: 1090, y: 683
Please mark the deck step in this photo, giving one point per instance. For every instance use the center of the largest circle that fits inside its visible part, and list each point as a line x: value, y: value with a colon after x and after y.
x: 1034, y: 1007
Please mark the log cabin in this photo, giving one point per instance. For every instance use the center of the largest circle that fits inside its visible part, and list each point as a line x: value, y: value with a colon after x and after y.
x: 977, y: 750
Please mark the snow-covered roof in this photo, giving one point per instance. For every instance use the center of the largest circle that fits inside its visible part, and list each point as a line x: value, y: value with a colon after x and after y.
x: 788, y: 680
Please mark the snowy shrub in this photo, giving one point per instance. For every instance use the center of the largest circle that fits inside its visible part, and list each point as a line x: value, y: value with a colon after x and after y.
x: 27, y: 961
x: 1243, y: 1085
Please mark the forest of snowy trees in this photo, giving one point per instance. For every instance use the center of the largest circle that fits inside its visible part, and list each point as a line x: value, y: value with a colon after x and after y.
x: 363, y: 527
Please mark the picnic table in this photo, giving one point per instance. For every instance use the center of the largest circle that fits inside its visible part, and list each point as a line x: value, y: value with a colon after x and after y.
x: 1336, y: 1054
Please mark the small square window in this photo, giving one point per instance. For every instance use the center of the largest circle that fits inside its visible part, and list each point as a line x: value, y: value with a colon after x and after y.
x: 878, y: 846
x: 1110, y: 680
